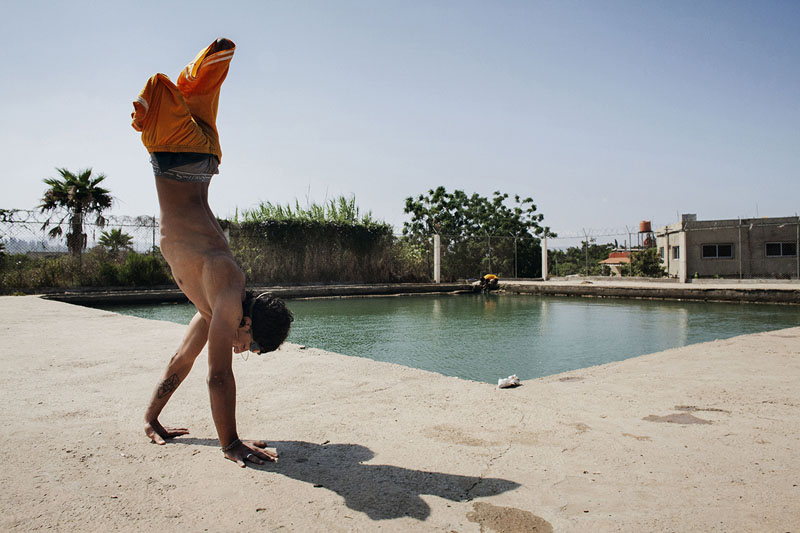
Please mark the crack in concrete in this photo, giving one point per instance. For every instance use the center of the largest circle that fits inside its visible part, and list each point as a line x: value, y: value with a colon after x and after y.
x: 467, y: 496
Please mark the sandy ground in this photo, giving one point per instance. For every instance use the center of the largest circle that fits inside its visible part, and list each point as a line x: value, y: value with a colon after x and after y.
x: 702, y: 438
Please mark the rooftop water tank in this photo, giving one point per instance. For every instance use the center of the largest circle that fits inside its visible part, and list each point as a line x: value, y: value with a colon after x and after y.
x: 644, y: 226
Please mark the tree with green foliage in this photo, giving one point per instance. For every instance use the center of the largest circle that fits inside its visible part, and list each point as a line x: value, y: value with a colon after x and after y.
x: 115, y: 241
x: 473, y: 229
x: 458, y: 215
x: 76, y: 196
x: 645, y: 263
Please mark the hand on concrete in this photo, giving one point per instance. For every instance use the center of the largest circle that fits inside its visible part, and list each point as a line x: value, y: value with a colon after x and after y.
x: 253, y: 451
x: 159, y: 433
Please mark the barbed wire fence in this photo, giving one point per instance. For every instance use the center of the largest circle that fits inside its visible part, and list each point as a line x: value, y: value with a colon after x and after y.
x: 623, y: 238
x: 462, y: 257
x: 22, y: 232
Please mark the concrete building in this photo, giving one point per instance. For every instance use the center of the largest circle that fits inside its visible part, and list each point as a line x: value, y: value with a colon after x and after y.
x: 737, y: 248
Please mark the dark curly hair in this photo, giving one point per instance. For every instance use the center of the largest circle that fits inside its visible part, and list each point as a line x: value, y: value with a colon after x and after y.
x: 270, y: 317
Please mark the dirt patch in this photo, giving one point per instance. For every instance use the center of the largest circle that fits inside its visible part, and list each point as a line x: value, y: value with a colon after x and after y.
x: 507, y: 519
x: 677, y: 418
x: 453, y: 435
x: 571, y: 378
x: 581, y: 427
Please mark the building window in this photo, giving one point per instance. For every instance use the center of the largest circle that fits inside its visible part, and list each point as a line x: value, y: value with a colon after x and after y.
x: 661, y: 252
x: 676, y: 252
x: 781, y: 249
x: 717, y: 251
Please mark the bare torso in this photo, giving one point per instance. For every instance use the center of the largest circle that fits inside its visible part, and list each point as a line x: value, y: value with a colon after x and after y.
x: 203, y: 266
x: 194, y: 245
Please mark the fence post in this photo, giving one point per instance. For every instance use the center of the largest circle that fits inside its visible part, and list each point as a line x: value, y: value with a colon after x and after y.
x: 586, y: 244
x: 683, y: 253
x: 154, y: 234
x: 516, y: 275
x: 437, y: 258
x: 489, y: 250
x: 544, y: 259
x: 740, y: 249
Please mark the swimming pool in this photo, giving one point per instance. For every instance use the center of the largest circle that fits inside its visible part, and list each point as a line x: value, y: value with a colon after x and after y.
x: 484, y: 337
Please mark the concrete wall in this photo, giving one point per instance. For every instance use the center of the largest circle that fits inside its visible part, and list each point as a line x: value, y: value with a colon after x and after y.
x: 748, y: 238
x: 696, y: 238
x: 662, y: 291
x: 667, y: 239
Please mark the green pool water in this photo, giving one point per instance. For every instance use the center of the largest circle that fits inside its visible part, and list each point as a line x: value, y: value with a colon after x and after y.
x: 483, y: 338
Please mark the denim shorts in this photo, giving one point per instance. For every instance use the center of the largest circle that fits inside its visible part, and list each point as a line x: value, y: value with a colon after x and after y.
x: 195, y: 172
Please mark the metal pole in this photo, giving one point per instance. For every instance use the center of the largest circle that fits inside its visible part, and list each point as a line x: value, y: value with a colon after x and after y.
x: 586, y: 244
x: 797, y: 247
x: 515, y: 257
x: 154, y: 234
x: 630, y: 264
x: 489, y: 249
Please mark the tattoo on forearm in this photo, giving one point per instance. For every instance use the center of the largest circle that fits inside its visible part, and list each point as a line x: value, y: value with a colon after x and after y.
x: 168, y: 386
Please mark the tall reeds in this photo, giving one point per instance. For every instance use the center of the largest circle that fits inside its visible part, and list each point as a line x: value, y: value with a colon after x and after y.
x: 321, y: 243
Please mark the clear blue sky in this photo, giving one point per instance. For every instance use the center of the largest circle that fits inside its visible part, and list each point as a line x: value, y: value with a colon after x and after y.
x: 605, y: 112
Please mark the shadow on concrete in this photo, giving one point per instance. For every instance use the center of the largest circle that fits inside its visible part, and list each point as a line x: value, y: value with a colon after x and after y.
x: 379, y: 491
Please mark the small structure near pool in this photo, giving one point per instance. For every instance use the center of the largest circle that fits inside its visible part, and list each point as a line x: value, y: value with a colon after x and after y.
x: 616, y: 260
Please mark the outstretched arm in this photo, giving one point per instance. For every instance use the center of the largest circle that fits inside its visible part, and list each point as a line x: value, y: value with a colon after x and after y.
x: 222, y: 385
x: 178, y: 368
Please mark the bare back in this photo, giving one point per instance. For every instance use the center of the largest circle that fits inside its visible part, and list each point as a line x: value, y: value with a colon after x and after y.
x: 194, y: 245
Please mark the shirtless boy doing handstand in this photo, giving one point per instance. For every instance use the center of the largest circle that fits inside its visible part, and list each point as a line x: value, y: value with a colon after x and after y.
x: 178, y: 125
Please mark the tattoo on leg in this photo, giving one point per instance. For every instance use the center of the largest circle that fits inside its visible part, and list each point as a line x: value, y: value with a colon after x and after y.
x: 168, y: 386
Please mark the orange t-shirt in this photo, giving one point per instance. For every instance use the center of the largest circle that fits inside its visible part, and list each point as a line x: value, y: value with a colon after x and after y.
x: 183, y: 117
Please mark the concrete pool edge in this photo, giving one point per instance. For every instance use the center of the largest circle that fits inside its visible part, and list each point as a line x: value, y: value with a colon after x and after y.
x: 687, y: 439
x: 762, y: 292
x: 722, y: 291
x: 170, y: 295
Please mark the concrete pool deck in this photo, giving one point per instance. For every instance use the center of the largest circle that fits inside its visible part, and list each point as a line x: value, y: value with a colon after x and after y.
x: 753, y: 291
x: 700, y: 438
x: 756, y: 291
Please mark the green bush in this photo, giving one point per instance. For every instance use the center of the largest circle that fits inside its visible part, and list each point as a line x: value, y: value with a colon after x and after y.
x: 96, y: 268
x: 411, y: 262
x: 142, y: 270
x: 108, y: 275
x: 645, y: 263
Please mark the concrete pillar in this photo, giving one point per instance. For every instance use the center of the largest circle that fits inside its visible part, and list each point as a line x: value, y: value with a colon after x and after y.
x: 545, y: 273
x: 682, y: 259
x: 437, y: 258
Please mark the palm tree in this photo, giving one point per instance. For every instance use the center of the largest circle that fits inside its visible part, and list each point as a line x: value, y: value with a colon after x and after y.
x: 115, y: 241
x: 79, y: 195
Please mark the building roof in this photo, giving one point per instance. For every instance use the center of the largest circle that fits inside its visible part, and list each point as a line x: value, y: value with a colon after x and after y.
x: 693, y: 224
x: 617, y: 258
